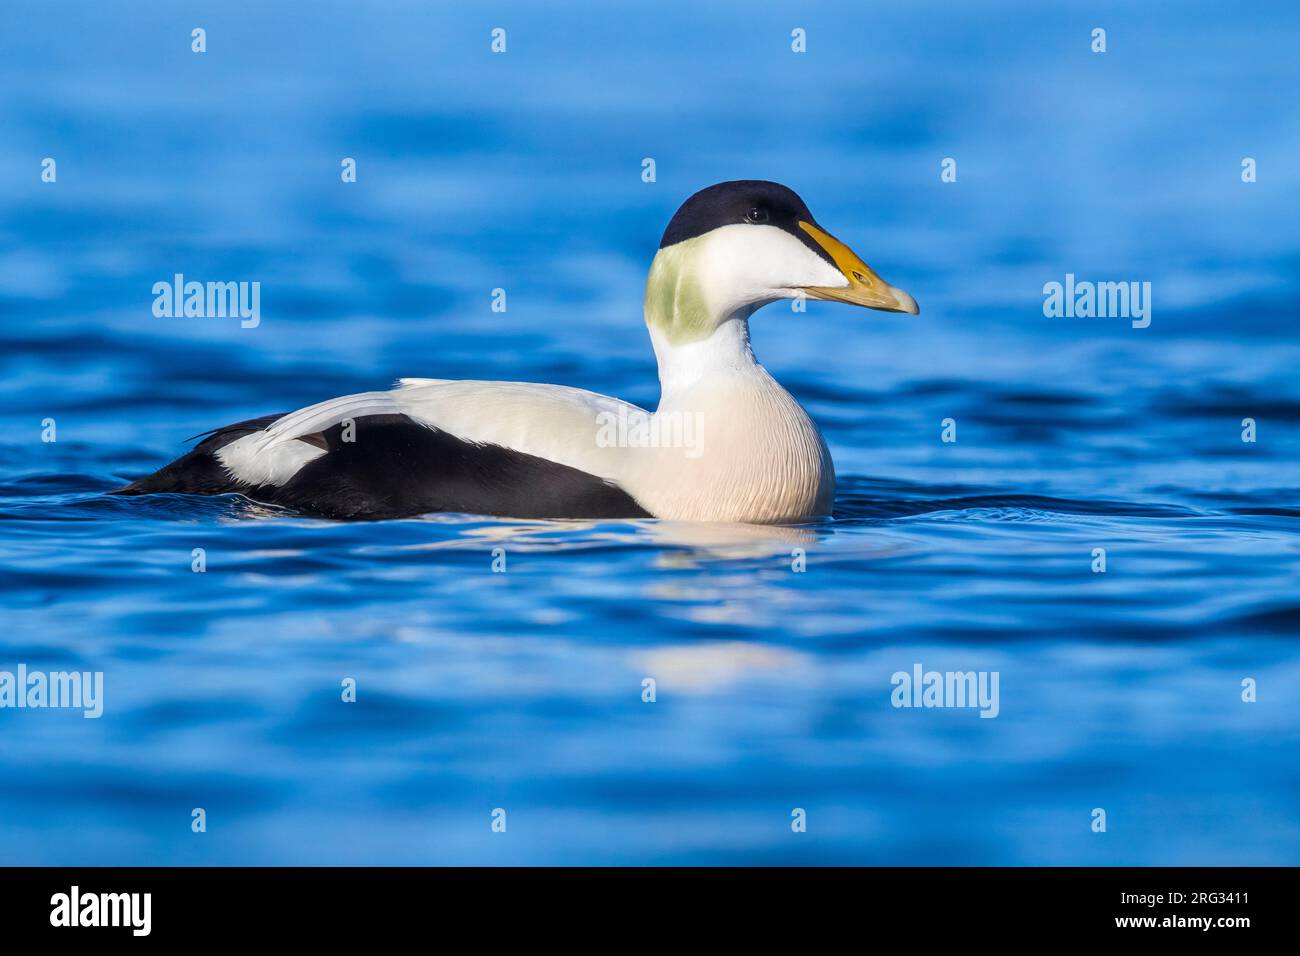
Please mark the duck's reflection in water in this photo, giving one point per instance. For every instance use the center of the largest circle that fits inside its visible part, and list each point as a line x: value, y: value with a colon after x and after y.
x: 685, y: 541
x: 713, y: 666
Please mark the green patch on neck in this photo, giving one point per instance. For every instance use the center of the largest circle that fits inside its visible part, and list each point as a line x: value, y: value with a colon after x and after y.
x: 675, y: 302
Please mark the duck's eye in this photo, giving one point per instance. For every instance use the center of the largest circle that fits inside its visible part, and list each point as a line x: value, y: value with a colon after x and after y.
x: 756, y: 215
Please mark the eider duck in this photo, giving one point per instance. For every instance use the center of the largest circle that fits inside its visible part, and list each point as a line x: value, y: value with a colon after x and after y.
x: 727, y: 443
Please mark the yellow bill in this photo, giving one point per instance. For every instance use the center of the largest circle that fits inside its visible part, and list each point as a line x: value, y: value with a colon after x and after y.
x: 865, y: 288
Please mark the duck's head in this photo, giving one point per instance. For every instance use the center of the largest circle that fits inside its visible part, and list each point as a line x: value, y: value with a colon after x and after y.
x: 736, y: 246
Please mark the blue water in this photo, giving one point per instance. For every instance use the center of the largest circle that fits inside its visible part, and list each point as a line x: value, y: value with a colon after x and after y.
x: 523, y: 690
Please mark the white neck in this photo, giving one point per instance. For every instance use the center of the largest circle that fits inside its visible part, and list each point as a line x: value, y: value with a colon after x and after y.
x: 758, y: 457
x: 683, y: 366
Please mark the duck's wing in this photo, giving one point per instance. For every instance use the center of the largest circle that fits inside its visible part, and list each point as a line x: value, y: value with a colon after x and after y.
x: 504, y: 448
x: 553, y: 422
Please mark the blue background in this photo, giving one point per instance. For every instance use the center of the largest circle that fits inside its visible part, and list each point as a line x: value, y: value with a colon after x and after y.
x: 523, y: 690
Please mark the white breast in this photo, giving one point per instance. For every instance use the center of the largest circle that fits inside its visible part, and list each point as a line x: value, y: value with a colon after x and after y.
x: 759, y: 458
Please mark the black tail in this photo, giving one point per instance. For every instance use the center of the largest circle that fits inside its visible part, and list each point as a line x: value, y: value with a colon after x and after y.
x: 199, y: 472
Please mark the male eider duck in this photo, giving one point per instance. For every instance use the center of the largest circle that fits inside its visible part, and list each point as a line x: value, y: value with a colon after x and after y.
x: 525, y: 450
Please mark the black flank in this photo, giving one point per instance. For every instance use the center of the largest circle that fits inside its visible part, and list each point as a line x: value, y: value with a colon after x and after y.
x: 397, y: 467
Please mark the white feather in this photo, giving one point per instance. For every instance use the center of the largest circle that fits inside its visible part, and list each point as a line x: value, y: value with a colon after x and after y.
x: 745, y: 267
x: 246, y: 461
